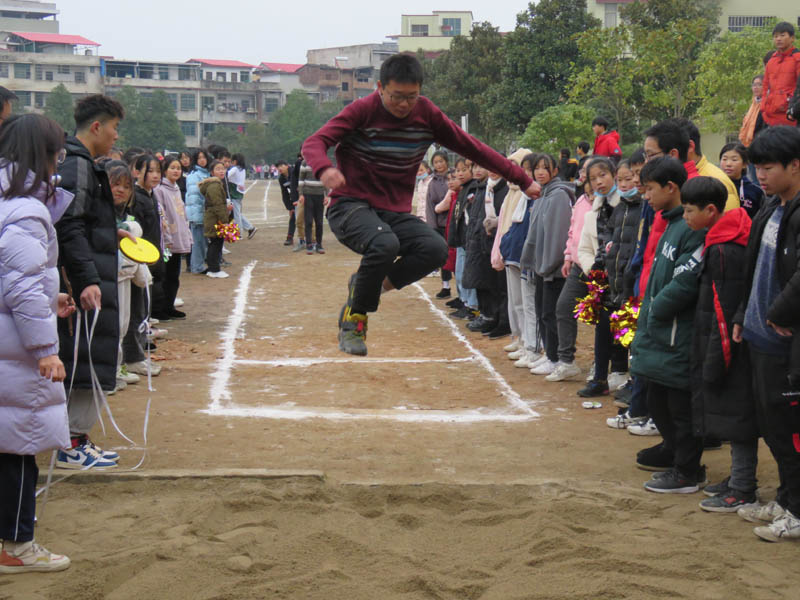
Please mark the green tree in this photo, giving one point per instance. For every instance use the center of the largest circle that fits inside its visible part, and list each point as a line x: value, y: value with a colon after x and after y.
x: 293, y: 123
x: 59, y: 107
x: 458, y: 80
x: 537, y: 60
x: 559, y: 126
x: 726, y: 70
x: 607, y: 82
x: 660, y: 14
x: 150, y: 122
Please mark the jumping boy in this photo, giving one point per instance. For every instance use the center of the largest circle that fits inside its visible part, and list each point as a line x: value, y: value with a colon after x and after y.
x: 660, y: 350
x: 767, y: 320
x: 380, y: 141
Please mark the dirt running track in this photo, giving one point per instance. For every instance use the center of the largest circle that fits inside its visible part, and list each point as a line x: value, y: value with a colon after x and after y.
x: 448, y: 473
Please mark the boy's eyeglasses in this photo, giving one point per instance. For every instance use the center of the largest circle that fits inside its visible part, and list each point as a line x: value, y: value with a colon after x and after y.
x: 400, y: 98
x: 61, y: 156
x: 653, y: 155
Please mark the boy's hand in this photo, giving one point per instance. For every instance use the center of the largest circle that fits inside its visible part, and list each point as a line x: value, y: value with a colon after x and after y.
x: 51, y: 367
x: 122, y: 233
x: 737, y: 334
x: 566, y: 267
x: 781, y: 331
x: 332, y: 178
x: 326, y: 201
x: 301, y: 200
x: 66, y: 306
x: 91, y: 297
x: 534, y: 190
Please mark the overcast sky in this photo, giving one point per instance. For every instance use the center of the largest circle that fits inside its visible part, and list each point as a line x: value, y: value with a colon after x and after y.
x: 251, y: 30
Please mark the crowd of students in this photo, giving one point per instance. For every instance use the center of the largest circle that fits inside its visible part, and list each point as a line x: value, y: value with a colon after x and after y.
x: 67, y: 202
x: 712, y: 358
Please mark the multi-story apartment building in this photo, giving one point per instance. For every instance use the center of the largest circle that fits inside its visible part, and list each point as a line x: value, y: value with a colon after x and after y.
x: 353, y: 57
x: 432, y: 32
x: 736, y: 14
x: 28, y: 15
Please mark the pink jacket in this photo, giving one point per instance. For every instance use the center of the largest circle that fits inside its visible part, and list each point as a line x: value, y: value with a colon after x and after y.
x: 175, y: 232
x: 582, y: 206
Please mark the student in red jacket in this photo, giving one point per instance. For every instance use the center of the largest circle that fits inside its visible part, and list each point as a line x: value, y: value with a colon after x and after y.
x: 780, y: 76
x: 380, y: 141
x: 606, y: 143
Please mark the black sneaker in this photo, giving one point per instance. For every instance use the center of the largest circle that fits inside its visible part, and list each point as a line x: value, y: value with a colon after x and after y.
x: 594, y: 389
x: 718, y: 488
x: 489, y: 326
x: 498, y: 332
x: 443, y: 293
x: 319, y: 249
x: 473, y: 314
x: 672, y: 482
x: 454, y: 303
x: 461, y: 313
x: 728, y: 501
x: 622, y: 397
x: 251, y: 232
x: 289, y: 241
x: 655, y: 458
x: 178, y: 315
x: 477, y: 324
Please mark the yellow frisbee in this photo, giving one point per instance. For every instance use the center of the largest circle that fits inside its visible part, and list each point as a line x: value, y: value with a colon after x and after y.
x: 140, y: 251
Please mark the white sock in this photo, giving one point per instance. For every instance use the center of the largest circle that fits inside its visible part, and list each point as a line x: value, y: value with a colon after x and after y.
x: 16, y: 548
x: 445, y: 285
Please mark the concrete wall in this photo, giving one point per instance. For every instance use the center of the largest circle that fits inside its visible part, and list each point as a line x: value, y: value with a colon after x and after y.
x: 29, y: 25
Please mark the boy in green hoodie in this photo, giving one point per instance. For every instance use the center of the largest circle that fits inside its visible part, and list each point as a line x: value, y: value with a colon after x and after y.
x: 661, y: 349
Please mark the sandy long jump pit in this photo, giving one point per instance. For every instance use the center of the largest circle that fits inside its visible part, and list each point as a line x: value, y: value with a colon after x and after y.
x: 432, y: 469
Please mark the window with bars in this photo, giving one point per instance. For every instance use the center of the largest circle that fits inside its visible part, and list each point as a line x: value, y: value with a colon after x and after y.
x: 163, y: 73
x: 63, y: 69
x: 80, y: 76
x: 39, y: 99
x: 23, y: 98
x: 189, y: 128
x: 208, y: 128
x: 271, y: 104
x: 38, y: 72
x: 419, y: 30
x: 4, y: 70
x: 739, y: 22
x: 22, y: 71
x: 207, y: 102
x: 451, y: 26
x: 173, y: 100
x: 244, y: 76
x: 611, y: 15
x: 184, y: 73
x: 48, y: 76
x: 188, y: 102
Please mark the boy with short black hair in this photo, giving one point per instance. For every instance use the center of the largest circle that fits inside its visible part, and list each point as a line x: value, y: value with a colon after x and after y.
x: 660, y: 350
x: 87, y: 241
x: 768, y: 320
x: 780, y: 76
x: 606, y: 143
x: 380, y: 141
x: 722, y: 403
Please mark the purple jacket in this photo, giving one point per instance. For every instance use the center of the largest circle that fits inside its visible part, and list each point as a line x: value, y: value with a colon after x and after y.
x: 175, y: 233
x: 33, y: 410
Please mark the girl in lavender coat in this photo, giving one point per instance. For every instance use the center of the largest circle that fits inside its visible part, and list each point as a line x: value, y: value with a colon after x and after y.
x: 33, y: 412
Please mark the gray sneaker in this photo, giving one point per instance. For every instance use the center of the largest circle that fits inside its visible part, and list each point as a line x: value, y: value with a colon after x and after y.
x: 729, y: 501
x: 301, y: 245
x: 718, y: 488
x: 353, y: 334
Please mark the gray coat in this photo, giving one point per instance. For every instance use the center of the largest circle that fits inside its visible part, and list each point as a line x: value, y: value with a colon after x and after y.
x: 33, y: 410
x: 437, y: 190
x: 543, y: 252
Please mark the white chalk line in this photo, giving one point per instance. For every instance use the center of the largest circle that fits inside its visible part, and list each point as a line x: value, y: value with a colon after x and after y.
x: 249, y: 187
x: 266, y: 194
x: 222, y: 374
x: 396, y: 414
x: 306, y: 362
x: 514, y: 399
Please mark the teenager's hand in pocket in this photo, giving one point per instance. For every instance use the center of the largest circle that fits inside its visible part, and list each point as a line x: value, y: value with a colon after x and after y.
x: 781, y: 331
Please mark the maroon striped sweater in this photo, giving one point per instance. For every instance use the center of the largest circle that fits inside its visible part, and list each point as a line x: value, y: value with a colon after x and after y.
x: 379, y: 154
